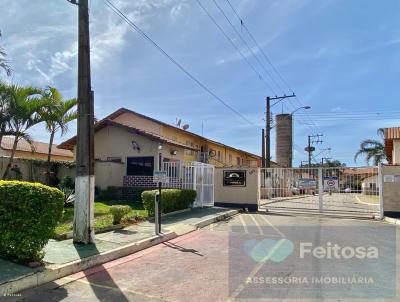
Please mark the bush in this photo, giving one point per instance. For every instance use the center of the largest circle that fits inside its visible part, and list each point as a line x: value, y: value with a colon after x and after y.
x: 67, y: 182
x: 171, y: 200
x: 29, y: 213
x: 118, y: 212
x: 121, y: 193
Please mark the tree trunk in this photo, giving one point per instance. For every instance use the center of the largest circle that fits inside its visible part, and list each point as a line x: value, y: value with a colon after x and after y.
x: 5, y: 175
x: 49, y: 157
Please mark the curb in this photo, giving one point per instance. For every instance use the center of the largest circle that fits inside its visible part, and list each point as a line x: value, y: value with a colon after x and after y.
x: 391, y: 220
x: 54, y: 272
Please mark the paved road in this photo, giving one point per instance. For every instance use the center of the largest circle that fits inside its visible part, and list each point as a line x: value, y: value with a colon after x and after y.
x: 236, y: 260
x: 337, y: 202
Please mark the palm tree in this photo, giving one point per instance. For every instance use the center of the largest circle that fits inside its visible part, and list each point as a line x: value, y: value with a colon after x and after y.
x: 372, y: 150
x: 4, y: 116
x: 57, y: 115
x: 3, y: 62
x: 24, y: 105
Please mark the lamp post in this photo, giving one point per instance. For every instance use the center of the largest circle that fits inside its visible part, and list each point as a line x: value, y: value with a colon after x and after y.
x: 304, y: 107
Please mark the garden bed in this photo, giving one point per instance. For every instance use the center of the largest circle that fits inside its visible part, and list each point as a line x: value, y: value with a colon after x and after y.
x: 103, y: 220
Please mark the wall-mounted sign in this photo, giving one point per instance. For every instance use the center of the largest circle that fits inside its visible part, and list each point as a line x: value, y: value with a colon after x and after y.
x: 388, y: 178
x: 160, y: 176
x: 235, y: 178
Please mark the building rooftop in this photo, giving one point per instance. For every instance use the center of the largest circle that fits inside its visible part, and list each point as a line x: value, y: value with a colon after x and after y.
x: 390, y: 134
x: 120, y: 111
x: 69, y: 144
x: 36, y: 147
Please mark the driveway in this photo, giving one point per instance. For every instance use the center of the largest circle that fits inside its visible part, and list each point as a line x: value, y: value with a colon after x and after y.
x: 243, y: 259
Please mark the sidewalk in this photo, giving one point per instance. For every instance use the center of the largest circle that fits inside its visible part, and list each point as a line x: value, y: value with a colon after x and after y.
x: 63, y: 257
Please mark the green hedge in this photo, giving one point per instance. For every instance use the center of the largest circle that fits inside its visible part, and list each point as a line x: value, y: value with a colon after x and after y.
x: 118, y: 212
x: 122, y: 193
x: 171, y: 200
x: 29, y: 213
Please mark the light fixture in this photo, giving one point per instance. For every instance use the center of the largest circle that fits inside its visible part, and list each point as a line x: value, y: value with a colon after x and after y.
x: 174, y: 152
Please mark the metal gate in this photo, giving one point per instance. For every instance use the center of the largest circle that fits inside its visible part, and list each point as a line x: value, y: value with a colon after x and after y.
x: 193, y: 175
x: 344, y: 190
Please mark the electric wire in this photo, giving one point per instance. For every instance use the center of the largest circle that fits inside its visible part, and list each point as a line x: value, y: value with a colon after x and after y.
x: 183, y: 69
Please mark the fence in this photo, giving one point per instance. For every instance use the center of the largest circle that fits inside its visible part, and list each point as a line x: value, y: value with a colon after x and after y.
x: 354, y: 190
x: 193, y: 175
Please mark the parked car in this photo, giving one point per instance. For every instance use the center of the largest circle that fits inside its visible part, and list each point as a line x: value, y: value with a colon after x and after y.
x: 305, y: 186
x: 347, y: 190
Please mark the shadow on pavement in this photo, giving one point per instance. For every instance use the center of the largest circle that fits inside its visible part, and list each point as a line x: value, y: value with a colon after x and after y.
x: 182, y: 249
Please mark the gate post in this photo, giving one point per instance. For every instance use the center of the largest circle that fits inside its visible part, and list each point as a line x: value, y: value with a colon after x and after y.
x: 320, y: 190
x: 380, y: 188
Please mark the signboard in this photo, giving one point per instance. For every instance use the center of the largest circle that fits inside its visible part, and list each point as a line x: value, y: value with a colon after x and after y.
x: 331, y: 183
x: 235, y: 178
x: 160, y: 176
x: 388, y: 178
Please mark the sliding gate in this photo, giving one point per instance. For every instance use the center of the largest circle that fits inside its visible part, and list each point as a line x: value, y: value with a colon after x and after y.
x: 337, y: 190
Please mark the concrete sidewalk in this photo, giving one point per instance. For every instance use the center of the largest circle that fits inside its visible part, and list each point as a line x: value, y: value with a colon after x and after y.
x: 63, y: 257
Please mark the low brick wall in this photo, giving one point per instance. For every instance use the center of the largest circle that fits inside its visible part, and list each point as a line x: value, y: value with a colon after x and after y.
x: 147, y: 182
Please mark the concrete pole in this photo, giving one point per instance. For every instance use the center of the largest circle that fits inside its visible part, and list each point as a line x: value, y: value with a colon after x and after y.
x: 84, y: 182
x: 263, y: 148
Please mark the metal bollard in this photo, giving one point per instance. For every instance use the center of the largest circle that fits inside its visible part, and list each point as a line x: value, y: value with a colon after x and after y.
x: 156, y: 218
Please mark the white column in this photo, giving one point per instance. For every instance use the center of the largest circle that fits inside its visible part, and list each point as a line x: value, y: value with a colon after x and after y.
x: 84, y: 201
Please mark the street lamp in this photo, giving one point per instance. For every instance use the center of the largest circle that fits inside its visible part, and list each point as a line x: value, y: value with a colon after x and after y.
x: 304, y: 107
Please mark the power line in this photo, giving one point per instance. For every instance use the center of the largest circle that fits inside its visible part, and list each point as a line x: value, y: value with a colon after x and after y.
x: 234, y: 45
x: 248, y: 46
x: 184, y: 70
x: 284, y: 81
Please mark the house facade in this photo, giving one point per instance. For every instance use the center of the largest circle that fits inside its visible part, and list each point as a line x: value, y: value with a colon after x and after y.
x: 129, y: 147
x: 392, y: 144
x: 199, y: 148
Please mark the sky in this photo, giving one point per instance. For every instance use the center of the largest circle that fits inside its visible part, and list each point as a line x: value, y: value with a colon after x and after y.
x: 340, y: 57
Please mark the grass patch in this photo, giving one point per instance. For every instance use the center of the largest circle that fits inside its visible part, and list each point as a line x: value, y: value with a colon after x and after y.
x: 102, y: 216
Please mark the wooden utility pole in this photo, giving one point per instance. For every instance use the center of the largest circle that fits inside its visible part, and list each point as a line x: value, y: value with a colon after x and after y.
x: 268, y: 134
x: 268, y: 125
x: 84, y: 182
x: 263, y: 148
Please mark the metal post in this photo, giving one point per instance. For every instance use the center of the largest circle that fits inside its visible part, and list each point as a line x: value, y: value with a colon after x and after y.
x: 156, y: 208
x: 380, y: 188
x: 320, y: 190
x: 159, y: 196
x: 84, y: 183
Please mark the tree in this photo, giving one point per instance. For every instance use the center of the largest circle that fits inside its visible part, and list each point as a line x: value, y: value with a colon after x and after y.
x: 372, y: 150
x: 24, y: 105
x: 3, y: 62
x: 57, y: 115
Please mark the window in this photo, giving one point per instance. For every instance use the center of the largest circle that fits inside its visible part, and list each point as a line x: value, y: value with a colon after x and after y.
x: 219, y: 155
x: 140, y: 166
x: 188, y: 151
x: 238, y: 161
x: 230, y: 158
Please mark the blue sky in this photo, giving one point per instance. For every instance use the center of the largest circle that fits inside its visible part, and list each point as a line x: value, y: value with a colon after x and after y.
x: 339, y: 56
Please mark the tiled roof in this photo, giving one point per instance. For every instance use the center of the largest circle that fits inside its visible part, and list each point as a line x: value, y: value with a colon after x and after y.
x: 38, y: 147
x: 392, y: 133
x: 120, y: 111
x: 69, y: 144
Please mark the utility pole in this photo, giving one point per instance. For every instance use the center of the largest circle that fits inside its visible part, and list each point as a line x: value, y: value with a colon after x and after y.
x: 84, y: 182
x: 268, y: 119
x: 263, y: 148
x: 310, y: 149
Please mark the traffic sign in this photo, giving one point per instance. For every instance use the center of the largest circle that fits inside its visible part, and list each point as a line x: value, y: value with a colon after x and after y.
x: 331, y: 182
